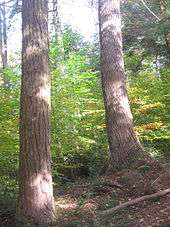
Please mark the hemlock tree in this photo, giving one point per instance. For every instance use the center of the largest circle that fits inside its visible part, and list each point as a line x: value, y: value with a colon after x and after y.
x: 57, y: 24
x: 5, y: 53
x: 3, y: 35
x: 164, y: 6
x: 58, y: 34
x: 123, y: 143
x: 146, y: 28
x: 35, y: 200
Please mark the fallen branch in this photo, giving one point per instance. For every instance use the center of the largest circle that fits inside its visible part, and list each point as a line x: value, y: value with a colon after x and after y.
x: 134, y: 201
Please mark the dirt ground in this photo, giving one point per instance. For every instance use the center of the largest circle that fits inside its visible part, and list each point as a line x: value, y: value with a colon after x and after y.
x: 79, y: 204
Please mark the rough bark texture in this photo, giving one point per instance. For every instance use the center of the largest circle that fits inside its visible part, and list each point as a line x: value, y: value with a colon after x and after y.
x: 124, y: 145
x: 163, y: 8
x: 35, y: 201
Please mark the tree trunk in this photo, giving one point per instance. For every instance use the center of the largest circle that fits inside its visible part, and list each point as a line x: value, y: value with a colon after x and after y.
x: 35, y: 201
x: 123, y: 143
x: 57, y: 29
x: 1, y: 40
x: 5, y: 52
x: 3, y: 35
x: 167, y: 41
x: 163, y: 8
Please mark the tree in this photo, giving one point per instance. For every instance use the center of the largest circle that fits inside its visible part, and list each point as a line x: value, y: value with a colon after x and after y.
x: 123, y: 143
x: 35, y: 201
x: 58, y: 45
x: 5, y: 54
x: 145, y: 30
x: 1, y: 40
x: 3, y: 35
x: 57, y: 27
x: 166, y: 20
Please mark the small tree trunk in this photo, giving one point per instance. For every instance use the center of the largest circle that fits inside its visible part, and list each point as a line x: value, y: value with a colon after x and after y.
x: 163, y: 8
x: 123, y: 143
x: 1, y: 40
x: 5, y: 52
x: 35, y: 200
x: 167, y: 41
x: 57, y: 28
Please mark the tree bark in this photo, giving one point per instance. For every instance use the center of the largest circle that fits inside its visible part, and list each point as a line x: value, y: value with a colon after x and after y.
x: 163, y: 8
x: 123, y: 143
x: 5, y: 52
x: 3, y: 36
x: 35, y: 200
x: 57, y: 29
x: 1, y: 40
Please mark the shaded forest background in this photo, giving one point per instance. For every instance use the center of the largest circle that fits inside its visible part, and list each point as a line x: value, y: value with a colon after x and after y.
x: 79, y: 141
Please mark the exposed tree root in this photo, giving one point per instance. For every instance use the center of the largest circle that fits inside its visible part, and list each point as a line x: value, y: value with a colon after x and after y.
x: 134, y: 201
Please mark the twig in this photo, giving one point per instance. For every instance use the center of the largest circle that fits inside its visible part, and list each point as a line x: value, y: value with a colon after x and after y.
x: 150, y: 10
x: 155, y: 180
x: 134, y: 201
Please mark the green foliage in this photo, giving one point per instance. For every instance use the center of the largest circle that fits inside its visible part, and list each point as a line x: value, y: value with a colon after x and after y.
x: 78, y: 114
x: 72, y: 41
x: 149, y: 101
x: 7, y: 188
x: 79, y: 141
x: 9, y: 136
x: 143, y: 32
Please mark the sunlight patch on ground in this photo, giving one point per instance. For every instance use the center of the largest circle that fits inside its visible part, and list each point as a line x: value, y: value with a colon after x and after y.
x: 65, y: 203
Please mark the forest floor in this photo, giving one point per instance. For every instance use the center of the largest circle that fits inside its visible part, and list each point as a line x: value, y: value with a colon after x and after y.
x: 80, y: 204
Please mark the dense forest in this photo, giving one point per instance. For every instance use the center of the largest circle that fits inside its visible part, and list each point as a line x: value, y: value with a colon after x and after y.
x: 84, y: 123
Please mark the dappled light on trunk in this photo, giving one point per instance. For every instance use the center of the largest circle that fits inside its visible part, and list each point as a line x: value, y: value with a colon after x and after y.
x: 35, y: 201
x: 124, y: 145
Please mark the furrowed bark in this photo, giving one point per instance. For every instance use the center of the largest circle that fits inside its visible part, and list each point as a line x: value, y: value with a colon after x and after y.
x: 35, y: 200
x: 123, y: 143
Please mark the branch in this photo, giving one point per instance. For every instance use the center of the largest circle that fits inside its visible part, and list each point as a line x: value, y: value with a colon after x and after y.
x: 150, y: 10
x: 134, y: 201
x: 4, y: 3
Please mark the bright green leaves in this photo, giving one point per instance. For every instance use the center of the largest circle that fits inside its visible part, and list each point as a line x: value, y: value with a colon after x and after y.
x: 149, y: 102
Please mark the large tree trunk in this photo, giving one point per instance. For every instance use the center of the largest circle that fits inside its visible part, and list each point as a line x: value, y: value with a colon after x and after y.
x: 35, y: 200
x: 123, y: 143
